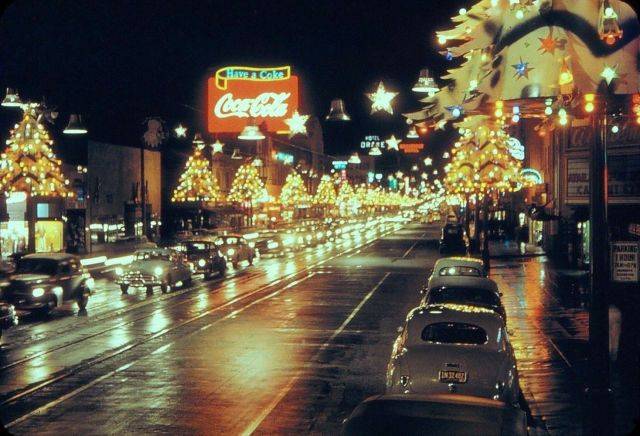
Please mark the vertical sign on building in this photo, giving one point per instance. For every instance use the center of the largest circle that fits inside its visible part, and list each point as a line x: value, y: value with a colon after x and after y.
x: 624, y: 262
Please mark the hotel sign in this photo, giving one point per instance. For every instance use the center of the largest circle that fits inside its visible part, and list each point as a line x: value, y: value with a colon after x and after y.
x: 236, y: 94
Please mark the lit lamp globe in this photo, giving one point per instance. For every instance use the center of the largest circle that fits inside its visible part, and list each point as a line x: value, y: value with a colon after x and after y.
x: 11, y: 99
x: 251, y: 133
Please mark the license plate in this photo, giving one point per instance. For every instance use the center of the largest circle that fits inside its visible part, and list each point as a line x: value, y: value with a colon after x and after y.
x: 453, y: 377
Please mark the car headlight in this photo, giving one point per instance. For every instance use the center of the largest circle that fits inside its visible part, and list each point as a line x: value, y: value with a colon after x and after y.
x: 271, y: 245
x: 202, y: 262
x: 158, y: 271
x: 288, y: 240
x: 119, y: 271
x: 231, y: 252
x: 37, y: 292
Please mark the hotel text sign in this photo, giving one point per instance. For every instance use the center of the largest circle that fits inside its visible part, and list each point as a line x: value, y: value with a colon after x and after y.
x: 236, y: 94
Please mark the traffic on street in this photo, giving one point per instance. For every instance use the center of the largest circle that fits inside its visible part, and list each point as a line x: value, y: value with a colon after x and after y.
x: 320, y: 217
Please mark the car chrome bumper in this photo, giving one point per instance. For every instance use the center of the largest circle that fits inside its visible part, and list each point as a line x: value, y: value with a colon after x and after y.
x: 138, y: 279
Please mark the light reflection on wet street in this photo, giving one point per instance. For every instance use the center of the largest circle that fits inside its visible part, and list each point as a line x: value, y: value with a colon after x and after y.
x: 290, y: 345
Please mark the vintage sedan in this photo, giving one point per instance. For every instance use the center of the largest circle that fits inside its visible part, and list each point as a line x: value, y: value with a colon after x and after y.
x: 435, y: 415
x: 151, y: 267
x: 8, y: 317
x: 453, y: 240
x: 458, y: 266
x: 236, y: 249
x: 44, y: 281
x: 203, y: 256
x: 452, y: 348
x: 473, y: 291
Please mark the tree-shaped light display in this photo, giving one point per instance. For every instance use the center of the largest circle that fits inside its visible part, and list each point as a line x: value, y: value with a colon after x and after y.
x: 326, y: 193
x: 294, y: 192
x: 28, y: 164
x: 247, y: 186
x: 347, y: 201
x: 197, y: 182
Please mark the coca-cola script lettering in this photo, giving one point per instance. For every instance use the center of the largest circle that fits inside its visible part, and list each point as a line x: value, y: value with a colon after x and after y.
x: 265, y: 105
x: 266, y: 95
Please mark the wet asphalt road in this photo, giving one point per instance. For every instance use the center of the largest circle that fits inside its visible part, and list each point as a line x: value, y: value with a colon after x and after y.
x: 289, y: 345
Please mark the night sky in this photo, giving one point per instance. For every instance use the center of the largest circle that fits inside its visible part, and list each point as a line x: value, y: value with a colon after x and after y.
x: 118, y: 62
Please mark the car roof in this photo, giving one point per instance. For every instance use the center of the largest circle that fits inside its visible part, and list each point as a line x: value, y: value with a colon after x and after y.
x: 445, y: 262
x: 201, y: 238
x: 50, y: 256
x: 421, y: 316
x: 156, y: 250
x: 463, y: 282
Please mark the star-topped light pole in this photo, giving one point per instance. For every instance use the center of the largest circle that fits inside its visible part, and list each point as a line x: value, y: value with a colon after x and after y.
x: 381, y: 99
x: 393, y: 143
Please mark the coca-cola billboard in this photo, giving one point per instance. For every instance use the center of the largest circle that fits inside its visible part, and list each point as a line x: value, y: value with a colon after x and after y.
x: 236, y: 94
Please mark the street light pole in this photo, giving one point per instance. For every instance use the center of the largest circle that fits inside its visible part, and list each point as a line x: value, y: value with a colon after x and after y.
x: 599, y: 410
x: 143, y: 194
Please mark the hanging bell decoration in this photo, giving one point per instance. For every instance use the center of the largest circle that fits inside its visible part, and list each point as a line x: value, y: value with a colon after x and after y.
x: 75, y: 126
x: 425, y: 84
x: 251, y: 132
x: 236, y: 154
x: 608, y: 26
x: 197, y: 139
x: 375, y: 151
x: 565, y: 78
x: 337, y: 111
x: 11, y: 99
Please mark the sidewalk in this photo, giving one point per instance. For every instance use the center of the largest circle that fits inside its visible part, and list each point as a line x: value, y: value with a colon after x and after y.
x: 548, y: 322
x: 505, y: 249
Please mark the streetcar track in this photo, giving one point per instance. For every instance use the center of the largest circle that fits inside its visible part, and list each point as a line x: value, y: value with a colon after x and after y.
x: 134, y: 344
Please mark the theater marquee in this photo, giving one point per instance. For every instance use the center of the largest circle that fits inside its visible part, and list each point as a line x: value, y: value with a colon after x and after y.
x: 236, y: 94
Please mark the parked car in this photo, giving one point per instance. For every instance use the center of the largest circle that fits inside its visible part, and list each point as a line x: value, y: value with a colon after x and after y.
x: 236, y: 249
x: 44, y: 281
x: 455, y: 349
x: 472, y: 291
x: 151, y: 267
x: 458, y: 266
x: 435, y: 415
x: 8, y: 317
x: 453, y: 240
x: 269, y: 244
x: 203, y: 256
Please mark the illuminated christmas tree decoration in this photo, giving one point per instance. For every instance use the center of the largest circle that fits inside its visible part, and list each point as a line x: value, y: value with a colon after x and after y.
x: 381, y: 99
x: 247, y: 186
x: 297, y: 124
x: 28, y: 164
x: 393, y: 143
x: 609, y: 73
x: 197, y: 182
x: 326, y: 193
x: 294, y: 193
x: 180, y: 131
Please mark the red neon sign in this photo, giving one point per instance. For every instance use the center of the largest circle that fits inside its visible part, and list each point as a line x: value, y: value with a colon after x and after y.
x: 236, y: 94
x: 411, y: 147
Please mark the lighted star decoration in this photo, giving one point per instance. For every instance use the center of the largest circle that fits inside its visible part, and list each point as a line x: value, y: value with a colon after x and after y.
x: 297, y: 124
x: 548, y: 44
x: 217, y: 146
x: 428, y: 161
x: 381, y: 99
x: 522, y: 69
x: 181, y: 131
x: 609, y: 73
x: 393, y: 143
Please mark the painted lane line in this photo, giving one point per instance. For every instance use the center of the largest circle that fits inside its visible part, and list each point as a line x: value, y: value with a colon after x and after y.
x: 253, y: 426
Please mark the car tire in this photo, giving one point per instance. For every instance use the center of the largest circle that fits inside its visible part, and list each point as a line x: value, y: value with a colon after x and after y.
x: 149, y: 290
x: 187, y: 282
x: 250, y: 260
x: 207, y: 275
x: 124, y: 289
x: 222, y: 271
x: 235, y: 263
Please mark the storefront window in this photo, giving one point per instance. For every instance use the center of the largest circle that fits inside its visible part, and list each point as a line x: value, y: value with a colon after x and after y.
x: 13, y: 235
x: 48, y: 236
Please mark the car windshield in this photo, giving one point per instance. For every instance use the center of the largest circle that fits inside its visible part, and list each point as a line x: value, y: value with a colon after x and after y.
x: 466, y: 271
x: 152, y: 255
x: 454, y: 333
x: 453, y: 230
x: 195, y: 247
x: 37, y: 266
x: 457, y: 295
